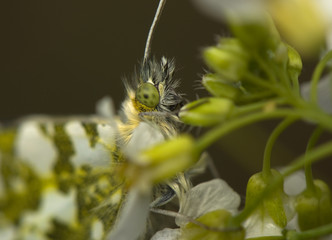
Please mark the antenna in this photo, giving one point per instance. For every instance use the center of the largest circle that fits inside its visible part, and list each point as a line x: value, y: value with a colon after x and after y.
x: 152, y: 28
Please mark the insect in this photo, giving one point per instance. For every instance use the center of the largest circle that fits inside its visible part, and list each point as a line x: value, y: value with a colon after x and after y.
x: 58, y: 176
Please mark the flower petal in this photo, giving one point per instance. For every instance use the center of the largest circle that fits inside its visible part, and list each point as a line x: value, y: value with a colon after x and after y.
x: 167, y: 234
x: 323, y: 92
x: 206, y: 197
x: 220, y: 8
x: 132, y: 220
x: 255, y: 227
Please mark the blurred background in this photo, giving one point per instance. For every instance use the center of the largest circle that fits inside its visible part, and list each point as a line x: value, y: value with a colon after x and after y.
x: 60, y: 57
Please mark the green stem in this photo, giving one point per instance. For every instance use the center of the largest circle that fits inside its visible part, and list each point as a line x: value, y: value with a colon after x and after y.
x: 317, y: 75
x: 224, y: 128
x: 270, y: 143
x: 257, y: 96
x: 260, y: 82
x: 281, y: 71
x: 307, y: 167
x: 296, y: 85
x: 265, y: 67
x: 316, y: 115
x: 241, y: 110
x: 268, y: 238
x: 312, y: 156
x: 310, y: 234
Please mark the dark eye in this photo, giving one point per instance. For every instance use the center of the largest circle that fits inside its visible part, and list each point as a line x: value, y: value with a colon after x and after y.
x: 148, y: 95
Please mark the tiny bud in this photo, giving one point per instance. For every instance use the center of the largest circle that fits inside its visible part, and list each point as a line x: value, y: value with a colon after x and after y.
x: 314, y: 207
x: 273, y: 205
x: 206, y: 111
x: 219, y: 88
x: 260, y: 35
x: 294, y: 62
x: 229, y: 59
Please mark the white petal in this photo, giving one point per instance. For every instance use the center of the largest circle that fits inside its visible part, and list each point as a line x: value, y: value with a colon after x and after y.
x: 167, y: 234
x: 35, y: 148
x: 325, y: 6
x: 104, y: 107
x: 329, y: 39
x: 326, y: 9
x: 324, y: 92
x: 8, y: 233
x: 60, y: 206
x: 257, y: 227
x: 144, y: 136
x: 85, y: 154
x: 97, y: 230
x: 295, y: 183
x: 133, y: 216
x: 293, y: 224
x: 207, y: 197
x: 54, y: 205
x: 218, y: 9
x: 329, y: 237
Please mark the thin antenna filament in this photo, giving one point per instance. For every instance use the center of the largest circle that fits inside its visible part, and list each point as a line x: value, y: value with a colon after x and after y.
x: 151, y: 31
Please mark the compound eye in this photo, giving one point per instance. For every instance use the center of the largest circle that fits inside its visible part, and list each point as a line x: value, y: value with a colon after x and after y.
x: 148, y: 95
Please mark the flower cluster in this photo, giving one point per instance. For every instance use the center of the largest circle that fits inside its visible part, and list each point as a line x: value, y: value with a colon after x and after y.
x: 254, y: 76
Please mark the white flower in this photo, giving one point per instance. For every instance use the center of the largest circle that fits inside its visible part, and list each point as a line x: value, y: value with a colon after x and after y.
x: 199, y: 200
x: 207, y: 197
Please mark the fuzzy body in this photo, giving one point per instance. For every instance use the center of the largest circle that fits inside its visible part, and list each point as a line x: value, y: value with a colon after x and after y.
x: 164, y: 115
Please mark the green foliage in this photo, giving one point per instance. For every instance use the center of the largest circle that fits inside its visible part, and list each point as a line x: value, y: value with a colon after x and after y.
x: 253, y: 77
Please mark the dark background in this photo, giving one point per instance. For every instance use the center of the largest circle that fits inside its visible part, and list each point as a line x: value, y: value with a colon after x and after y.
x: 60, y: 57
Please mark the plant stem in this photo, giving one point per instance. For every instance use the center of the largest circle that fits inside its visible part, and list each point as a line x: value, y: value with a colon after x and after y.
x: 270, y: 143
x: 316, y: 115
x: 281, y: 72
x: 307, y: 167
x: 255, y: 106
x: 317, y: 75
x: 266, y: 67
x: 260, y: 82
x: 311, y: 234
x: 225, y: 127
x: 296, y: 85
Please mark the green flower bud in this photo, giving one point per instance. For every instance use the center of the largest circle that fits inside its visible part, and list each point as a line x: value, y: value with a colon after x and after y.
x: 218, y: 88
x: 314, y: 207
x: 229, y: 59
x: 273, y: 205
x: 213, y: 221
x: 206, y: 111
x: 259, y: 36
x: 281, y: 54
x: 294, y: 62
